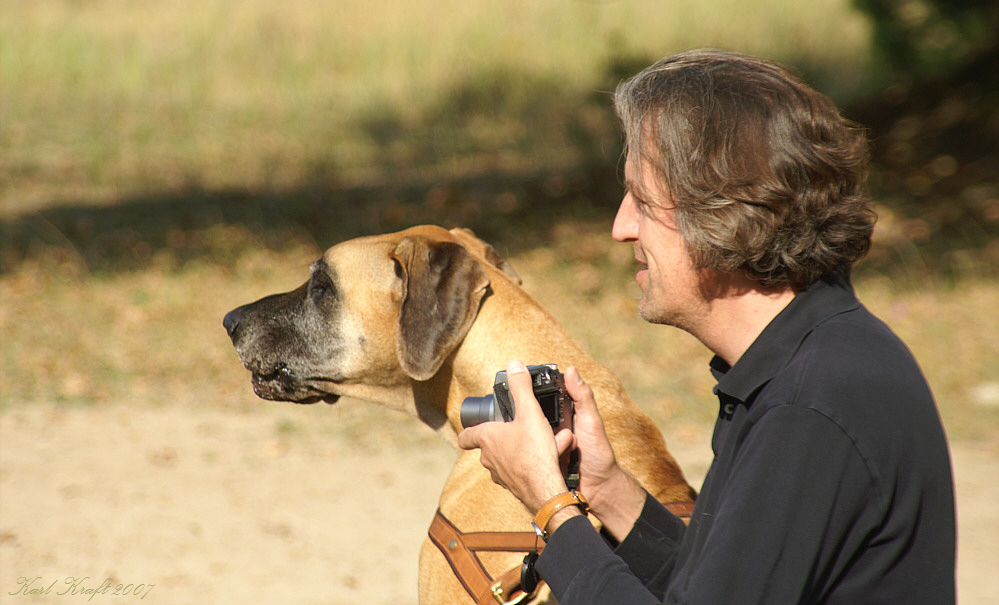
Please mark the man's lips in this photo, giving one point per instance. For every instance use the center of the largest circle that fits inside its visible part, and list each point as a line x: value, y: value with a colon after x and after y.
x: 641, y: 277
x: 644, y: 271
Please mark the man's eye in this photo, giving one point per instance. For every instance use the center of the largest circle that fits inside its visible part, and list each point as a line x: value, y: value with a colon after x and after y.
x: 643, y: 206
x: 640, y: 203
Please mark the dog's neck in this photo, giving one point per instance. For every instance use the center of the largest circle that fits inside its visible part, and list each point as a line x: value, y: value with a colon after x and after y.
x: 434, y: 400
x: 517, y: 328
x: 470, y: 373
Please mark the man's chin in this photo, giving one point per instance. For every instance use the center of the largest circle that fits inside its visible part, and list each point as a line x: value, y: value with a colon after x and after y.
x: 655, y: 313
x: 648, y: 311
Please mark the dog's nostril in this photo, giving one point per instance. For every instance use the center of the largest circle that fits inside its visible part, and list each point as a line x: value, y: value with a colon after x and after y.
x: 231, y: 322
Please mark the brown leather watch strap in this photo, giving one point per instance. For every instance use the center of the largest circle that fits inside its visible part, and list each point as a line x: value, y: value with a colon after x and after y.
x: 548, y: 510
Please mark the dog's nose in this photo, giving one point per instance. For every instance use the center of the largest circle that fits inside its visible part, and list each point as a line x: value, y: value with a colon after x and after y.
x: 231, y: 323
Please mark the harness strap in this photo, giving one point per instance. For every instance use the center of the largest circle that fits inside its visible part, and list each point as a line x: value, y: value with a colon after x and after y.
x: 459, y: 550
x: 684, y: 510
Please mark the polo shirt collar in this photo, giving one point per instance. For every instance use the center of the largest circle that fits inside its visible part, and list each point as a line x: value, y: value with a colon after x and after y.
x: 829, y: 295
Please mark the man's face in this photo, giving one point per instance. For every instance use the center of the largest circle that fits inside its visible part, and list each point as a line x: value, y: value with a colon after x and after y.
x: 671, y: 287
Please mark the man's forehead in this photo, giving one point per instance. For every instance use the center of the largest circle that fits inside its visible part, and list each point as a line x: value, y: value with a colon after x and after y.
x: 633, y: 173
x: 639, y: 176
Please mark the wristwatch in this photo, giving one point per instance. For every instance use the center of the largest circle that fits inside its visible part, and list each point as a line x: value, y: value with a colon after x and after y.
x: 548, y: 510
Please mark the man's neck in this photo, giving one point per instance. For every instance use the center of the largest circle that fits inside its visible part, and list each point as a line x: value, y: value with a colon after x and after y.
x: 737, y: 315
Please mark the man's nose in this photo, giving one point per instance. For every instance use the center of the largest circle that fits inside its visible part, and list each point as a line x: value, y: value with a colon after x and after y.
x: 625, y: 227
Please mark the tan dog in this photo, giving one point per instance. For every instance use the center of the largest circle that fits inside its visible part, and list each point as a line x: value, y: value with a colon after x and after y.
x: 416, y: 321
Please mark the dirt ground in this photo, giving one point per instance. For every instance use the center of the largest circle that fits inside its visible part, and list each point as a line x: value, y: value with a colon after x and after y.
x: 275, y: 504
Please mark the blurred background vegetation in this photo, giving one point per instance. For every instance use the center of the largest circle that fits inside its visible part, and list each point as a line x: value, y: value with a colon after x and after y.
x: 163, y: 162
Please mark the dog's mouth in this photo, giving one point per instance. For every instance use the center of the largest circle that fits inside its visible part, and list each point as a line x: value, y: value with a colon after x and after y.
x: 282, y: 384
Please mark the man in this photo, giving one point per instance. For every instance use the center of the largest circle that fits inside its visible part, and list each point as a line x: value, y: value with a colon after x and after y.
x: 831, y: 480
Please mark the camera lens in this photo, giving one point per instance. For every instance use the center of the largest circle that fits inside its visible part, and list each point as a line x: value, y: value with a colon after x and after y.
x: 476, y: 410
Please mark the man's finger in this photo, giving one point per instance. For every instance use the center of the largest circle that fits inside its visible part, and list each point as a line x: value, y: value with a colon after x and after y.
x: 526, y: 406
x: 565, y: 441
x: 587, y: 415
x: 467, y: 439
x: 580, y: 392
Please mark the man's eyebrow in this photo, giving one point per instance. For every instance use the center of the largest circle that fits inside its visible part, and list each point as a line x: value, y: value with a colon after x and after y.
x: 636, y: 189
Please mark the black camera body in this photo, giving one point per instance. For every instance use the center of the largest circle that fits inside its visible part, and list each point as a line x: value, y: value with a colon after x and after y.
x: 549, y: 389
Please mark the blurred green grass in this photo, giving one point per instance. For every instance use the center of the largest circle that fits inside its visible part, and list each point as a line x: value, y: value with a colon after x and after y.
x: 105, y: 98
x: 161, y: 163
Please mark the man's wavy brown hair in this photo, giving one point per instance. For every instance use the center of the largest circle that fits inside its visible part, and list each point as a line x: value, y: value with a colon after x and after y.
x: 764, y: 174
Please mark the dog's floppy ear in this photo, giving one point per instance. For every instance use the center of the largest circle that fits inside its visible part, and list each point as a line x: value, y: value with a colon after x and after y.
x: 442, y: 286
x: 468, y: 237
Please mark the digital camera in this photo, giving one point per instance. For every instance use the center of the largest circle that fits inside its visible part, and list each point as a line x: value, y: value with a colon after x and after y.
x: 549, y: 390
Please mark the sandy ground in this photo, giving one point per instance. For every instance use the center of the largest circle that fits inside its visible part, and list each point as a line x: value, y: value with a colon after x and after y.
x: 213, y: 506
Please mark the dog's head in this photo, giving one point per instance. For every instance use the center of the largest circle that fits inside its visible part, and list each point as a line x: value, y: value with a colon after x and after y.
x: 376, y: 313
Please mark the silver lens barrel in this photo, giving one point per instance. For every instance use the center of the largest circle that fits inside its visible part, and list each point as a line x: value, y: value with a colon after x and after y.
x: 476, y: 410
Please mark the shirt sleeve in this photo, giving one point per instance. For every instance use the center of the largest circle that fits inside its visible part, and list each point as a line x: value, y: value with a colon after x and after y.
x: 581, y: 567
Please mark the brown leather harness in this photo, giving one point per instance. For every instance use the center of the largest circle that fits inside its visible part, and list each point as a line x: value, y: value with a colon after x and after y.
x: 459, y: 549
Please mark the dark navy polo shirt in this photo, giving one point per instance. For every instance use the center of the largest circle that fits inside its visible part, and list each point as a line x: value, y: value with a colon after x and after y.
x: 831, y: 481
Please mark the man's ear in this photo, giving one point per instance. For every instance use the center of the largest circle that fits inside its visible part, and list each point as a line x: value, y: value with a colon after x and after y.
x: 442, y: 286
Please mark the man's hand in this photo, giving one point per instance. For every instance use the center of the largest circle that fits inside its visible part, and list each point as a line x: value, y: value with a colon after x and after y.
x: 615, y: 497
x: 521, y: 455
